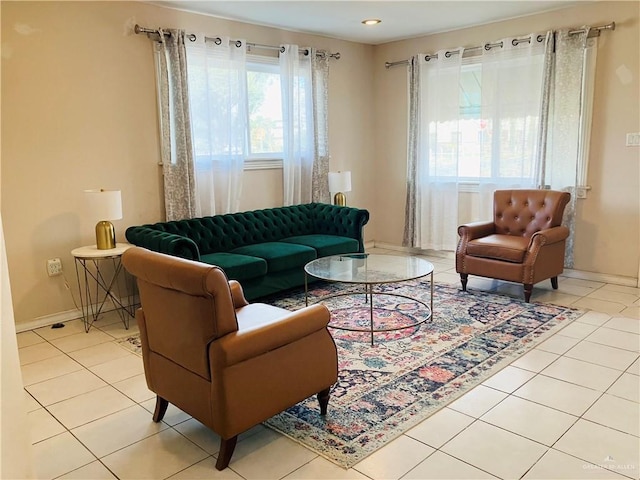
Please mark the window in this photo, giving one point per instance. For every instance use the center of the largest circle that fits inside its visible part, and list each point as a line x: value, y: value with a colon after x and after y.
x: 494, y: 135
x: 266, y: 133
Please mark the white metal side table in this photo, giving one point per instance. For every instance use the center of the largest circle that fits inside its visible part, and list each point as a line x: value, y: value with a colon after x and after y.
x: 97, y: 272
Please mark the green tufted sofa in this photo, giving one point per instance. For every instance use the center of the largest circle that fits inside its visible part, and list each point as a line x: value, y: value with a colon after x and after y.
x: 265, y: 250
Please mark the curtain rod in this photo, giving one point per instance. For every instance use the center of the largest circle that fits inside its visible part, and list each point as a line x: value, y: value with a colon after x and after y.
x: 593, y: 32
x: 217, y: 40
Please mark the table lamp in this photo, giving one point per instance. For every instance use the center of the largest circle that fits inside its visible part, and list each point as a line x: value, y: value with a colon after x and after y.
x: 105, y: 205
x: 339, y: 182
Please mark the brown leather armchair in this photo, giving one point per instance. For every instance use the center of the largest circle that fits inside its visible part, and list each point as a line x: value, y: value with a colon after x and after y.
x: 227, y: 363
x: 524, y: 243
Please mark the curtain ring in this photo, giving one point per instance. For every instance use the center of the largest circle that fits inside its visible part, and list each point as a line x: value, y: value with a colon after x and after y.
x: 487, y: 46
x: 540, y: 38
x: 238, y: 43
x: 447, y: 54
x: 427, y: 57
x: 217, y: 41
x: 191, y: 37
x: 282, y: 49
x: 515, y: 42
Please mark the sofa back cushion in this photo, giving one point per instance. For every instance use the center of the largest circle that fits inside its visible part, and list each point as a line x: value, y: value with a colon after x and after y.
x: 196, y: 237
x: 223, y: 233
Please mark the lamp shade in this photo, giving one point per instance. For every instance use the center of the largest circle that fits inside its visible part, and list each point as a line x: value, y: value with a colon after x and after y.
x: 104, y: 204
x: 339, y: 182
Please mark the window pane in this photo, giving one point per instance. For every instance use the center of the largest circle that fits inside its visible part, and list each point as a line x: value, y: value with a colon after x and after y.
x: 265, y: 112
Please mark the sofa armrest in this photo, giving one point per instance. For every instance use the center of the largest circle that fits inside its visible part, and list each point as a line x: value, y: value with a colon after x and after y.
x: 342, y: 221
x: 163, y: 242
x: 242, y: 345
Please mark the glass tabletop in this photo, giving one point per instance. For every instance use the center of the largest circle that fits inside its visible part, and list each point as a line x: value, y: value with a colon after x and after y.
x: 365, y: 268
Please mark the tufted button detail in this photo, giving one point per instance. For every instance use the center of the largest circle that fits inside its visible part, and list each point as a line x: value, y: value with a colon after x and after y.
x: 548, y: 219
x: 533, y: 218
x: 516, y: 217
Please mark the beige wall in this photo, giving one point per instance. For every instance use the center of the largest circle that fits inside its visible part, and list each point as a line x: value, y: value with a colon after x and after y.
x: 79, y: 111
x: 607, y: 230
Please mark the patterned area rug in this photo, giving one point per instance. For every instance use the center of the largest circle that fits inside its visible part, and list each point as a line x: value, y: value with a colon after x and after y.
x: 385, y: 389
x: 407, y: 375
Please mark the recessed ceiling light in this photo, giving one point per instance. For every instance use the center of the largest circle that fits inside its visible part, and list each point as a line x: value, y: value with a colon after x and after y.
x: 372, y: 21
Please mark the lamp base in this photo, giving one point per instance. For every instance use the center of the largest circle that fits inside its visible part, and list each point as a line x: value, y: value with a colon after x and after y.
x: 340, y: 199
x: 105, y: 235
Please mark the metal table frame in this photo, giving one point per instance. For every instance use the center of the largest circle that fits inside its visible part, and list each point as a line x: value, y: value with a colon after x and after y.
x: 96, y: 287
x: 368, y: 294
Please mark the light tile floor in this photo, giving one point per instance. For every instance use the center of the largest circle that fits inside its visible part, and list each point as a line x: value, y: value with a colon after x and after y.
x: 568, y: 409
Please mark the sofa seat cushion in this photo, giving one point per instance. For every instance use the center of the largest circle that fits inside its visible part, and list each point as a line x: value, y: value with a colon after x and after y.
x: 237, y: 267
x: 326, y: 245
x: 279, y: 255
x: 508, y: 248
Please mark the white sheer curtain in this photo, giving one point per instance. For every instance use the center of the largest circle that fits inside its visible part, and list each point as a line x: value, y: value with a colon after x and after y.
x: 511, y: 93
x: 218, y: 100
x: 298, y: 119
x: 434, y: 151
x: 473, y: 121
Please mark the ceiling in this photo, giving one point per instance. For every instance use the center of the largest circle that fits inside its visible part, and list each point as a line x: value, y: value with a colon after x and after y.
x: 342, y: 19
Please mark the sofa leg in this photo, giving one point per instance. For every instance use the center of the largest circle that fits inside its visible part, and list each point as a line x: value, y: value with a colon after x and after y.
x: 464, y: 277
x: 323, y: 400
x: 554, y: 283
x: 161, y: 409
x: 226, y: 451
x: 528, y: 288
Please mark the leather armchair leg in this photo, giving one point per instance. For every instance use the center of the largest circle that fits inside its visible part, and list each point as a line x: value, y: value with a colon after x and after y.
x: 161, y: 409
x: 554, y: 283
x: 464, y: 277
x: 528, y: 288
x: 226, y: 451
x: 323, y: 400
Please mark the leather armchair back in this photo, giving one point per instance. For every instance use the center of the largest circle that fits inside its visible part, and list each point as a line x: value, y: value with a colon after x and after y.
x: 180, y: 334
x: 525, y: 212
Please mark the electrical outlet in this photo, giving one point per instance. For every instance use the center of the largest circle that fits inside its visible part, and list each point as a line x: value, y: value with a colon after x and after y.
x: 633, y: 139
x: 54, y: 267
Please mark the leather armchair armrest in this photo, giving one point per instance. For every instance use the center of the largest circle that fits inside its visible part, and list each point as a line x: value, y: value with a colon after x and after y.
x: 474, y: 230
x: 244, y: 344
x: 237, y: 294
x: 550, y: 235
x: 539, y: 239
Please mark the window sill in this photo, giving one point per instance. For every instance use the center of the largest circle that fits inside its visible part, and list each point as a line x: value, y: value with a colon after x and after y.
x: 274, y: 164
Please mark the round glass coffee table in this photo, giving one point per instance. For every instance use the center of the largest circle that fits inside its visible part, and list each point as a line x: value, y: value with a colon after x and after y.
x: 369, y: 270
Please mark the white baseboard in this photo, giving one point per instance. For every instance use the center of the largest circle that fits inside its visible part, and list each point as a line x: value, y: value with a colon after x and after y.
x: 47, y: 320
x: 62, y: 317
x: 570, y: 273
x: 417, y: 251
x: 601, y: 277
